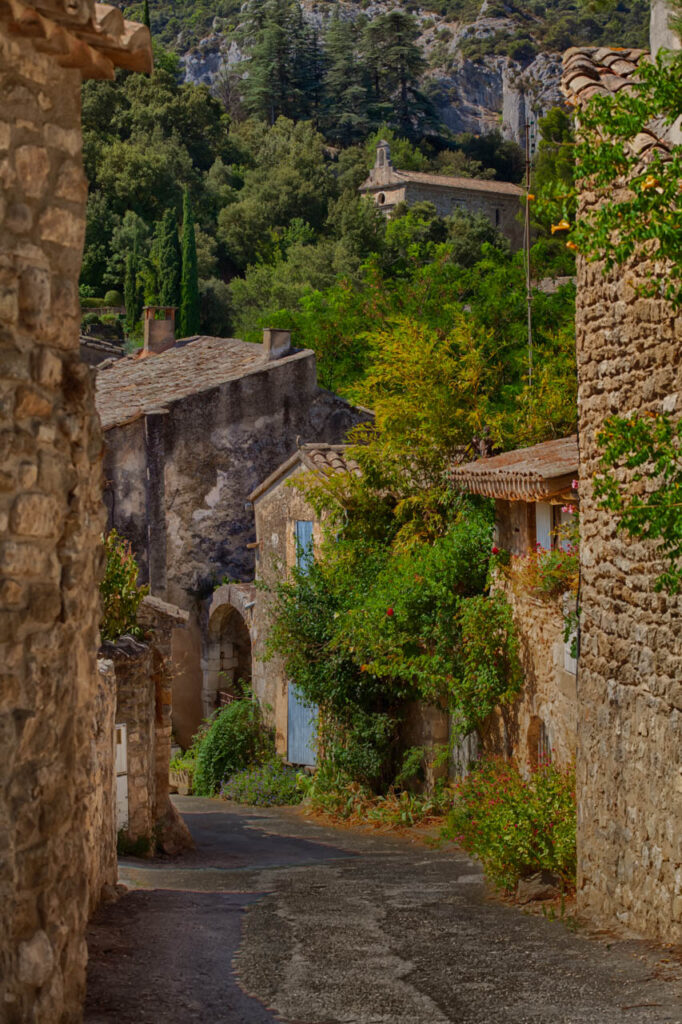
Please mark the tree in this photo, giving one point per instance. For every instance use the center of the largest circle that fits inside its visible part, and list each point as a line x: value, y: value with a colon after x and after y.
x: 145, y: 16
x: 169, y: 260
x: 189, y: 293
x: 396, y: 62
x: 346, y: 114
x: 131, y: 291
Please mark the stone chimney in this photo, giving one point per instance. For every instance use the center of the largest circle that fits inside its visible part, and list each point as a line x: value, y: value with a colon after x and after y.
x: 276, y: 343
x: 159, y: 328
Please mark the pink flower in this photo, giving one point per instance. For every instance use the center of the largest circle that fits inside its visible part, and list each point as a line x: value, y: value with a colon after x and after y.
x: 569, y: 509
x: 574, y: 485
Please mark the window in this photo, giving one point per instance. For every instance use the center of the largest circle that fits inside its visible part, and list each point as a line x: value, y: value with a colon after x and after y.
x: 303, y: 534
x: 381, y: 199
x: 544, y: 521
x: 497, y: 218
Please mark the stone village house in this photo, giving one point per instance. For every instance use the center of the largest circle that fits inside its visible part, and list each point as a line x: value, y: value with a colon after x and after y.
x: 287, y: 532
x: 532, y: 489
x: 190, y: 428
x: 56, y: 707
x: 531, y: 486
x: 499, y: 201
x: 629, y: 761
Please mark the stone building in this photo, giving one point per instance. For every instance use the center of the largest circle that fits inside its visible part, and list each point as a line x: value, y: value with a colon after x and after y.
x: 629, y: 350
x: 190, y: 430
x: 145, y: 819
x: 532, y: 488
x: 55, y: 706
x: 288, y: 530
x: 499, y: 201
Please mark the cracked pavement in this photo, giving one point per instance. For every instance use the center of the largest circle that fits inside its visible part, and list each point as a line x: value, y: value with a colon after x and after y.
x: 278, y: 918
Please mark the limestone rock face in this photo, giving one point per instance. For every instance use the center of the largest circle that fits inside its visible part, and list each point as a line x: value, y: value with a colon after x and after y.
x: 494, y: 93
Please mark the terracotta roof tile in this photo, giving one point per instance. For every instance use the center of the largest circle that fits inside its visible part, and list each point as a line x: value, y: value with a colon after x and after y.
x: 589, y: 71
x: 134, y: 385
x: 95, y: 38
x: 444, y: 181
x: 329, y: 458
x: 526, y: 474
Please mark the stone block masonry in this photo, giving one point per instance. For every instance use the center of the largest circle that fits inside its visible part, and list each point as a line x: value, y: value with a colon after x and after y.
x: 143, y: 704
x: 52, y: 797
x: 630, y: 699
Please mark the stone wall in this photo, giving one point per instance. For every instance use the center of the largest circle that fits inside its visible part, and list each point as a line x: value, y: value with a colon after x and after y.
x: 50, y: 522
x: 630, y: 697
x: 542, y: 721
x: 276, y: 511
x: 143, y: 674
x: 100, y: 800
x: 501, y: 210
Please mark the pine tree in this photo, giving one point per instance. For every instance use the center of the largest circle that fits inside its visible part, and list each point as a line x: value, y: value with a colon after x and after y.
x: 267, y: 89
x: 169, y: 260
x: 189, y: 292
x: 346, y: 110
x: 391, y: 48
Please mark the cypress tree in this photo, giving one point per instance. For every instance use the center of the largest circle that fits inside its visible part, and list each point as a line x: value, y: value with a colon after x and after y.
x: 169, y: 260
x: 189, y: 291
x: 145, y: 17
x: 131, y: 291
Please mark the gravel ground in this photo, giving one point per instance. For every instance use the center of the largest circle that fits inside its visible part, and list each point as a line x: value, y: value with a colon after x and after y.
x: 276, y: 918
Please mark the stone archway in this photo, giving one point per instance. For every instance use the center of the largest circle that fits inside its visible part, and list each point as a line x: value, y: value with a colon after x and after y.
x: 227, y: 664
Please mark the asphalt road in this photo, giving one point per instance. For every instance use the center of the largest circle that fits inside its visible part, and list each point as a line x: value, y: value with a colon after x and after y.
x: 275, y: 918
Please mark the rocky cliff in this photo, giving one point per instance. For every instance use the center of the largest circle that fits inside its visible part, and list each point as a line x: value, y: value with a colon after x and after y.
x: 489, y: 72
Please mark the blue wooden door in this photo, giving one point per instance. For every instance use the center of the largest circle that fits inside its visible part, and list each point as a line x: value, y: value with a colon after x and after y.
x: 301, y: 729
x: 301, y: 718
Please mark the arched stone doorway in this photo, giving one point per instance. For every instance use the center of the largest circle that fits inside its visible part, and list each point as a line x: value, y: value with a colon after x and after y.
x: 227, y: 665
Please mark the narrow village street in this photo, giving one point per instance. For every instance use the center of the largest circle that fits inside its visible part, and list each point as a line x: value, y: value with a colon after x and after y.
x: 326, y: 925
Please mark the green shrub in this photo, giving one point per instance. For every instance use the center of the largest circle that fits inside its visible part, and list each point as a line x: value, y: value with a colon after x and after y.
x: 234, y: 738
x: 90, y: 302
x: 517, y: 826
x: 120, y: 593
x: 266, y: 785
x: 113, y: 298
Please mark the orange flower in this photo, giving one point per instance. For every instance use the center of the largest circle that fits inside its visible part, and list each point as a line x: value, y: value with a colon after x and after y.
x: 571, y: 245
x: 563, y: 225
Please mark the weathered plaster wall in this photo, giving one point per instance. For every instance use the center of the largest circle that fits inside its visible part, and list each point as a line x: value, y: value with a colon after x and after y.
x: 630, y: 695
x: 542, y: 720
x: 50, y: 520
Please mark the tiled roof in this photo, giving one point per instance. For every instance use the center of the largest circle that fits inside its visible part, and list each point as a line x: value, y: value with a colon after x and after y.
x: 137, y: 384
x: 82, y: 34
x: 324, y: 459
x: 590, y: 71
x: 526, y: 474
x: 444, y: 181
x: 329, y: 458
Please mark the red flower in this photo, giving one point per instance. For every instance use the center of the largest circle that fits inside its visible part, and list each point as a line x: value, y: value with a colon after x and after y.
x: 390, y: 612
x: 496, y: 550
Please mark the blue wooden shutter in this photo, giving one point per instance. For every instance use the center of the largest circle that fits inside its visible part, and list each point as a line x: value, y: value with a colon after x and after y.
x: 304, y: 544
